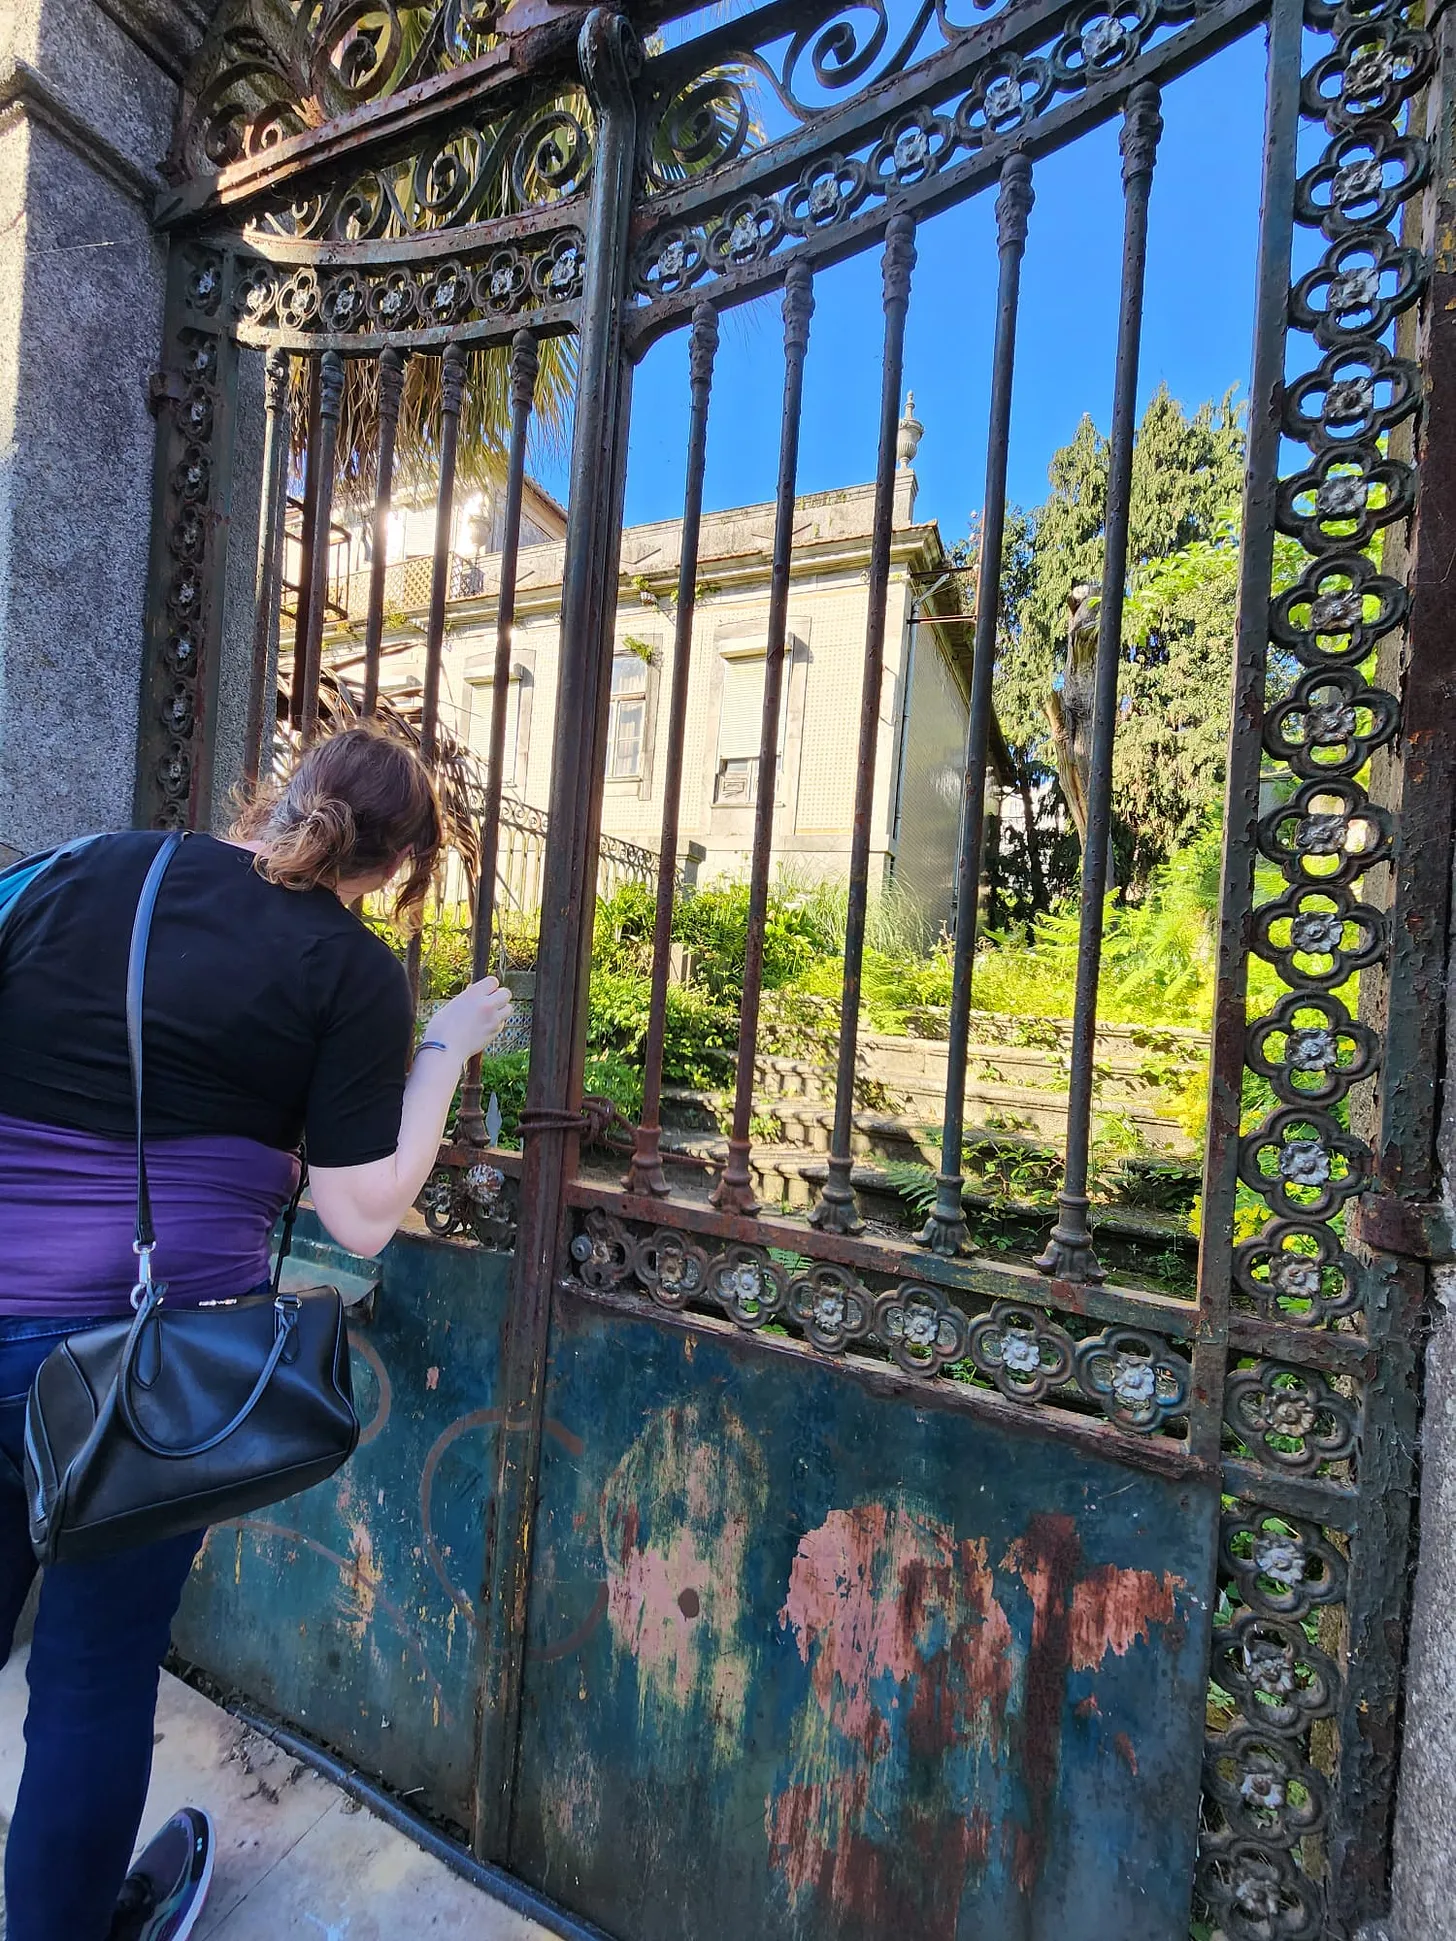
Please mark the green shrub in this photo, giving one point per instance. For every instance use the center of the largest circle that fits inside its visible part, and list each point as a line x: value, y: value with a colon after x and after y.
x: 505, y: 1075
x: 701, y: 1033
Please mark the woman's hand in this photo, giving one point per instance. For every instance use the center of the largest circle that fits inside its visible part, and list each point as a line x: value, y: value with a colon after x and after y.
x: 362, y: 1205
x: 467, y: 1023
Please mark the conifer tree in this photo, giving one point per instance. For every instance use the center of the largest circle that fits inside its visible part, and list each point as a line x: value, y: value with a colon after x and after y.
x: 1178, y: 632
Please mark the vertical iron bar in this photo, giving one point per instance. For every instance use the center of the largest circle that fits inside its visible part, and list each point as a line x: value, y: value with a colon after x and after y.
x: 306, y: 540
x: 734, y: 1191
x: 1411, y: 1125
x: 645, y: 1173
x: 610, y: 56
x: 837, y: 1210
x: 331, y: 397
x: 391, y: 385
x: 452, y: 392
x: 262, y: 719
x: 1246, y: 716
x: 945, y: 1229
x: 525, y: 364
x: 1069, y: 1253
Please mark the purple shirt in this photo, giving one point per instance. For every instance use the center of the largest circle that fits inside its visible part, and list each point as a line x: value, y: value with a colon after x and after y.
x: 68, y: 1212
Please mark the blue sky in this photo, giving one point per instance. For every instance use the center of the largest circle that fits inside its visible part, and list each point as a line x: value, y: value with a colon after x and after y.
x: 1196, y: 338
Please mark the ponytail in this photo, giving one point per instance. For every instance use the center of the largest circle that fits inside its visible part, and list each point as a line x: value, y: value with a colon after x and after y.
x: 359, y: 802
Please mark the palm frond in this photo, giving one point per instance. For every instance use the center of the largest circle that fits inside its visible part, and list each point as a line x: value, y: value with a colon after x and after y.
x: 485, y: 417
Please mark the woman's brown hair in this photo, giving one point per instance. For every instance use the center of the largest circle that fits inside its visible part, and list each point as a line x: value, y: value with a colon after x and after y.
x: 355, y: 804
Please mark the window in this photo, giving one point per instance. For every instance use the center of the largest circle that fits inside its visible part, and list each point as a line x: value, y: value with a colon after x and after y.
x: 628, y: 729
x: 740, y: 730
x: 477, y: 730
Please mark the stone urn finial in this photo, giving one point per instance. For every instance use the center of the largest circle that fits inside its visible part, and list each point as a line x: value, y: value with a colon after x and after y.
x: 911, y: 433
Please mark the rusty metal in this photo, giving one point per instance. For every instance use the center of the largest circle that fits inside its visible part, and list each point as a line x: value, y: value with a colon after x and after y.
x: 308, y: 530
x: 837, y: 1209
x: 321, y: 458
x: 1415, y: 773
x: 944, y: 94
x: 1070, y: 1253
x: 452, y: 392
x: 525, y: 365
x: 610, y: 57
x: 1344, y: 1461
x: 196, y: 415
x: 945, y: 1229
x: 262, y: 720
x: 1245, y: 759
x: 1300, y: 1407
x: 391, y: 387
x: 734, y: 1191
x: 645, y: 1173
x: 360, y: 135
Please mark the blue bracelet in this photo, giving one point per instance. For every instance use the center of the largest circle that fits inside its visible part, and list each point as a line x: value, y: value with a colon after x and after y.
x: 431, y: 1044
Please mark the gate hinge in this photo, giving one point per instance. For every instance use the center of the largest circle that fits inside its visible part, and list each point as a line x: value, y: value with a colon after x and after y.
x: 163, y: 387
x: 1412, y: 1229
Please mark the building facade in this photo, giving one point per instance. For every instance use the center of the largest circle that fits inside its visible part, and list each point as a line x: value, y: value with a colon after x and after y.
x: 923, y: 705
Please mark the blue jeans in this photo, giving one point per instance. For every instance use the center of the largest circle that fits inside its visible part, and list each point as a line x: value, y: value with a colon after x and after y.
x: 100, y: 1634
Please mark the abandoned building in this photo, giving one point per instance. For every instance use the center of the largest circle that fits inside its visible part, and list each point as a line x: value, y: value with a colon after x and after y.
x: 704, y: 1568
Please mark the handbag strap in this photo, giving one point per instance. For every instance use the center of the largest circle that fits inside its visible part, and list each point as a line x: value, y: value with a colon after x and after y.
x: 286, y: 1310
x: 136, y: 973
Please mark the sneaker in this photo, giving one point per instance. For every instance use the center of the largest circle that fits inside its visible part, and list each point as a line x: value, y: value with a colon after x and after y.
x: 164, y: 1893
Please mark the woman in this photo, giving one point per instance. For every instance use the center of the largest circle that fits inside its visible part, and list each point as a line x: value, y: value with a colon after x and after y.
x: 272, y: 1016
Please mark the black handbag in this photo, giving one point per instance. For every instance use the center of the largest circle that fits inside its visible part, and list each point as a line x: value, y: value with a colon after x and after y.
x: 180, y: 1417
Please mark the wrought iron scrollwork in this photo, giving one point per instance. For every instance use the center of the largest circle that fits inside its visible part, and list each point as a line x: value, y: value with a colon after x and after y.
x: 1138, y: 1380
x: 475, y: 1200
x: 530, y: 159
x: 726, y: 204
x: 1024, y: 1353
x: 1268, y: 1780
x: 1133, y: 1378
x: 1289, y: 1418
x: 485, y: 283
x: 269, y: 71
x: 921, y: 1329
x: 190, y: 394
x: 1264, y: 1793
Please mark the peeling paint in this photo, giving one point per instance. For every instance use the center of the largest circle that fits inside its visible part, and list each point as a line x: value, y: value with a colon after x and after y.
x: 912, y: 1666
x: 359, y: 1586
x: 677, y: 1515
x: 1114, y: 1609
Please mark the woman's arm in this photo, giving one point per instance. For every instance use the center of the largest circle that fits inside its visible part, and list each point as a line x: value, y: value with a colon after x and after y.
x: 363, y: 1205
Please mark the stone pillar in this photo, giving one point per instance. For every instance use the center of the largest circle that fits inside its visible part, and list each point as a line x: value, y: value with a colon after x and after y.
x: 88, y: 95
x: 1424, y: 1879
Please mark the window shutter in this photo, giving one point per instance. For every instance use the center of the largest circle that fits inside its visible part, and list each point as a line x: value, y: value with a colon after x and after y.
x: 477, y: 727
x: 740, y: 722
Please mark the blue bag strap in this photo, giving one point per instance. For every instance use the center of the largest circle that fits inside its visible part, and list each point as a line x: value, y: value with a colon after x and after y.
x: 17, y: 879
x: 136, y: 972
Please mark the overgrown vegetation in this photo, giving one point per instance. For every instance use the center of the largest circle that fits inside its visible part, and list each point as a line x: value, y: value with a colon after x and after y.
x: 1159, y: 926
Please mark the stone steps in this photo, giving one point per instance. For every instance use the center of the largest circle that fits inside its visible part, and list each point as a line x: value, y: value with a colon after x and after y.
x: 1020, y: 1116
x: 790, y: 1179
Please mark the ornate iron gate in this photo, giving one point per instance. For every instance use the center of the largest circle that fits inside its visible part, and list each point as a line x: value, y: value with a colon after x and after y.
x: 777, y: 1617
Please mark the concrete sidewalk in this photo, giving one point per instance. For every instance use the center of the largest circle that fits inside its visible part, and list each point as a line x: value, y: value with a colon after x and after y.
x: 295, y: 1857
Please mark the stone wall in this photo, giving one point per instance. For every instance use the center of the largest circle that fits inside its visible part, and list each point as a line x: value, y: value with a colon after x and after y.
x: 87, y: 99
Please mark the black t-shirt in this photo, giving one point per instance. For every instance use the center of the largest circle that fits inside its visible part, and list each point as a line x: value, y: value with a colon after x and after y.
x: 268, y: 1013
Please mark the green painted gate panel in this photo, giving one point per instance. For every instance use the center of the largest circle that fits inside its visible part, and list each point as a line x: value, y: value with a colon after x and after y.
x: 806, y: 1661
x: 350, y: 1610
